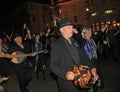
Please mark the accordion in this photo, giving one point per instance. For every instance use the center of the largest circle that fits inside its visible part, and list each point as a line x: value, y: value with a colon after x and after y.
x: 83, y: 77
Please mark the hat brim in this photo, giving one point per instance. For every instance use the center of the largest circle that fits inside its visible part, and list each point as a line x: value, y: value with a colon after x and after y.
x: 65, y: 25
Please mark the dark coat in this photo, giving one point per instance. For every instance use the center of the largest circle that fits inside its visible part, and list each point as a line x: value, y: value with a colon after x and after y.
x: 61, y: 62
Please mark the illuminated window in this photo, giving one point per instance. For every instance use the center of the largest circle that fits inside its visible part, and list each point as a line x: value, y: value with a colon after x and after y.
x: 108, y: 11
x: 93, y: 14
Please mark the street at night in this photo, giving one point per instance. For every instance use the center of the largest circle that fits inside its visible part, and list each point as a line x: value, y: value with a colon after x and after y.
x: 62, y: 31
x: 110, y: 71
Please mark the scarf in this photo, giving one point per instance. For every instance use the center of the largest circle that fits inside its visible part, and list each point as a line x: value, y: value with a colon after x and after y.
x: 90, y: 49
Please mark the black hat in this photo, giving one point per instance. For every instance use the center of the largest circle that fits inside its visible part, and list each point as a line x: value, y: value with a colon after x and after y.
x: 16, y: 35
x: 64, y: 22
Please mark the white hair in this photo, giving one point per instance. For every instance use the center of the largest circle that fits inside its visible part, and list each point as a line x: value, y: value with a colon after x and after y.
x: 85, y: 29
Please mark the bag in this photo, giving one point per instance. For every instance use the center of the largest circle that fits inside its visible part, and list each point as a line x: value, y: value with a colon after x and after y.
x: 83, y: 77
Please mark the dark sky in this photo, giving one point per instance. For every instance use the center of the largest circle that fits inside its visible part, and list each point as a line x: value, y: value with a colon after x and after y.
x: 7, y: 6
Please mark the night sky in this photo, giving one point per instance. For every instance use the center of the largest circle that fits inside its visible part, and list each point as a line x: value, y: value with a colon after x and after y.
x: 7, y: 6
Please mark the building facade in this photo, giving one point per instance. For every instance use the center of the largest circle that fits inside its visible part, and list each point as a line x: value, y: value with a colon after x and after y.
x: 102, y: 12
x: 75, y: 10
x: 37, y: 16
x: 93, y: 13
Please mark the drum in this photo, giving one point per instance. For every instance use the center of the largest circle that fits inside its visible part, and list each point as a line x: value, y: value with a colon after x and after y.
x: 83, y: 77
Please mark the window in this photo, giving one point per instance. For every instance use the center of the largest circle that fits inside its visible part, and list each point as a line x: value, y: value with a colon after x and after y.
x: 75, y: 19
x: 33, y: 18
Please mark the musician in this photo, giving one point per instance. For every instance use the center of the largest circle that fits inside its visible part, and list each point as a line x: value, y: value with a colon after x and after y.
x: 40, y: 61
x: 23, y: 69
x: 65, y: 53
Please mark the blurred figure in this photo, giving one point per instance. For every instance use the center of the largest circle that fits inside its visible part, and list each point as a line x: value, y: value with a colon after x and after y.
x: 22, y: 69
x: 112, y: 43
x: 65, y: 53
x: 4, y: 62
x: 40, y: 61
x: 88, y: 45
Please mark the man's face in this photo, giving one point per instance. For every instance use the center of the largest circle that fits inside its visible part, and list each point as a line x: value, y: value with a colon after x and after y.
x: 18, y: 39
x: 67, y: 31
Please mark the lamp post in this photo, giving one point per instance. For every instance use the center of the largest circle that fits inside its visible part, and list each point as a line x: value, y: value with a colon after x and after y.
x: 88, y: 15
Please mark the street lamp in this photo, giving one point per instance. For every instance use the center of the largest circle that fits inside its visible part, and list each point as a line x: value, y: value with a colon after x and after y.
x: 88, y: 15
x: 87, y: 9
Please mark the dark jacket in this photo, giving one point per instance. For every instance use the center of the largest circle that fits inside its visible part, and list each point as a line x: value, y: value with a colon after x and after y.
x: 61, y: 60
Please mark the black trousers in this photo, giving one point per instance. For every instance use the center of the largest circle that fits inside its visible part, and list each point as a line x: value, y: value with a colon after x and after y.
x: 41, y: 66
x: 4, y: 68
x: 24, y: 75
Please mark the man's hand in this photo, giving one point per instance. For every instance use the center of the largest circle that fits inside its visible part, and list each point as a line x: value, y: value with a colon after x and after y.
x: 70, y: 75
x: 11, y: 56
x: 95, y: 75
x: 75, y: 31
x: 33, y: 54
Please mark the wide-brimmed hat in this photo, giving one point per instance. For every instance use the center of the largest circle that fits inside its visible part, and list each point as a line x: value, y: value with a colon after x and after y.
x: 64, y: 22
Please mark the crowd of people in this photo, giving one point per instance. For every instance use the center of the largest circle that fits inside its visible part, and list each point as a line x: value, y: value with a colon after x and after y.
x: 72, y: 46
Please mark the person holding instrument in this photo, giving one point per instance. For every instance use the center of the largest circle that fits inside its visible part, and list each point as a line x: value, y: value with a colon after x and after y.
x: 65, y: 53
x: 23, y: 69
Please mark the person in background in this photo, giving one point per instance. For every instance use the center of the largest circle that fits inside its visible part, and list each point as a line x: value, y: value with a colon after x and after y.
x: 87, y: 42
x: 112, y: 43
x: 40, y: 64
x: 4, y: 62
x: 61, y: 58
